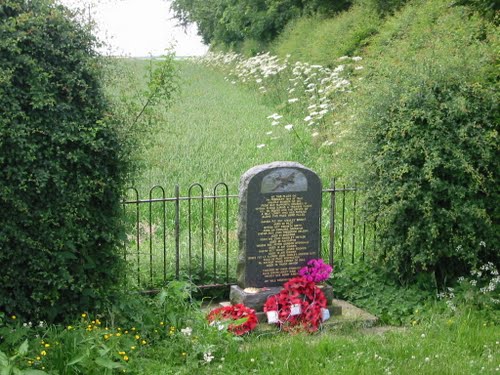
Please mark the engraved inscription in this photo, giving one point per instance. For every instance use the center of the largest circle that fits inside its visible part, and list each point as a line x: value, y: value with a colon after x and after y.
x: 282, y: 242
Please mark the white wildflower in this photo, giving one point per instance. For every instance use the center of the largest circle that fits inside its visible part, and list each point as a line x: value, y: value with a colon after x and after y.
x: 289, y: 127
x: 208, y: 357
x: 187, y: 331
x: 274, y: 116
x: 261, y: 145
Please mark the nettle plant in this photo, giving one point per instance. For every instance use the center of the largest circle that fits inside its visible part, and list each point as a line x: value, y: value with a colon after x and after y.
x: 298, y: 90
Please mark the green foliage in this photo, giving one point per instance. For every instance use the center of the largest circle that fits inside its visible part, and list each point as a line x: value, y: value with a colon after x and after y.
x: 487, y: 8
x: 382, y: 7
x: 323, y: 40
x: 169, y: 326
x: 429, y: 113
x: 9, y: 365
x: 62, y: 167
x: 478, y: 290
x: 231, y: 22
x: 372, y: 288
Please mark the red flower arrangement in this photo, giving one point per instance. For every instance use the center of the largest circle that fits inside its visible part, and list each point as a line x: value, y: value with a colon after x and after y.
x: 299, y: 304
x: 241, y: 319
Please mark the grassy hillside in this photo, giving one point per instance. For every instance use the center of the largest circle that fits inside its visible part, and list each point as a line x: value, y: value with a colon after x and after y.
x: 421, y: 127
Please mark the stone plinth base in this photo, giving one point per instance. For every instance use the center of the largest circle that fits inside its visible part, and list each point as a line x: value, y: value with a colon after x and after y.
x: 257, y: 300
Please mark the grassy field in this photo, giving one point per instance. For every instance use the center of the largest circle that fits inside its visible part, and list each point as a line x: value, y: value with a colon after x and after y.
x: 214, y: 132
x: 211, y: 135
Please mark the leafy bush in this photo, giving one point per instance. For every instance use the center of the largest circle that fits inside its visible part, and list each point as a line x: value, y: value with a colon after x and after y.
x: 62, y: 167
x: 430, y: 112
x: 372, y: 288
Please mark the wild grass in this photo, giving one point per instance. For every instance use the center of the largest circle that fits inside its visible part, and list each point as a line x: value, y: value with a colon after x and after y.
x: 213, y: 133
x: 322, y: 40
x: 462, y: 344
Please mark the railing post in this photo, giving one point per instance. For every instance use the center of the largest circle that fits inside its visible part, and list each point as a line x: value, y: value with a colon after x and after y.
x: 332, y: 222
x: 354, y: 226
x: 177, y: 232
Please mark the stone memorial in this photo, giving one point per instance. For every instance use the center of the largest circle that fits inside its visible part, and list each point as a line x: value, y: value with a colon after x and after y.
x: 279, y: 223
x: 278, y: 229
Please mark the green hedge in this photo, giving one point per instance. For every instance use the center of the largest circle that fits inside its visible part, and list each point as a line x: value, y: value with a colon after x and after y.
x: 61, y: 169
x: 429, y: 111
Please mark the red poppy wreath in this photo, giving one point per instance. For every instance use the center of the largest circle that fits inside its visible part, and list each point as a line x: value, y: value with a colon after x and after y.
x: 299, y: 305
x: 238, y: 318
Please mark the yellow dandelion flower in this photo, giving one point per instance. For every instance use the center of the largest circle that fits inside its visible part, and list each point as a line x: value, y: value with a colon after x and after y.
x: 162, y: 323
x: 118, y: 329
x: 122, y: 353
x: 143, y: 342
x: 30, y: 363
x: 118, y: 334
x: 38, y: 358
x: 47, y: 345
x: 132, y: 329
x: 184, y: 354
x: 125, y: 358
x: 13, y: 317
x: 106, y: 337
x: 84, y: 315
x: 43, y: 352
x: 132, y: 348
x: 69, y: 328
x: 126, y: 332
x: 137, y: 337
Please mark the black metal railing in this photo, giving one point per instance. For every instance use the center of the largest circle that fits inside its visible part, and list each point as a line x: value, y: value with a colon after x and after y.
x: 194, y: 237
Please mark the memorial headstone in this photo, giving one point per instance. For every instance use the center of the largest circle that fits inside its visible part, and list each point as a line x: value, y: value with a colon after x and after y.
x: 279, y: 231
x: 279, y: 223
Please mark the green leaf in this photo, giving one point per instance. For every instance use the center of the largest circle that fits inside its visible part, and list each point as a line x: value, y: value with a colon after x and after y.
x: 6, y: 370
x: 34, y: 372
x: 108, y: 363
x: 4, y: 361
x: 23, y: 349
x: 76, y: 360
